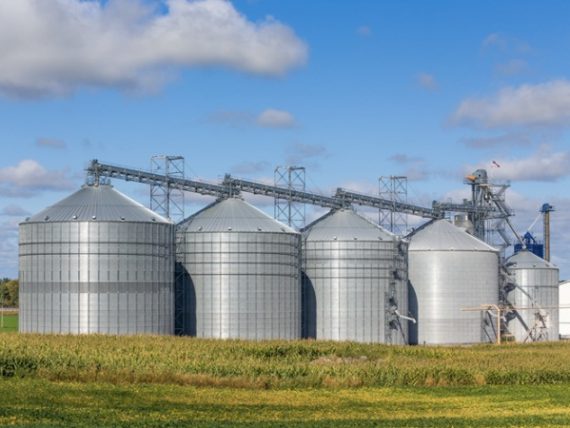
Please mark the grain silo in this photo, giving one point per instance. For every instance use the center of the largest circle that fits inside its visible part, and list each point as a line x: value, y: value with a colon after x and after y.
x: 564, y: 313
x: 354, y: 280
x: 241, y: 275
x: 450, y: 270
x: 537, y: 288
x: 97, y: 262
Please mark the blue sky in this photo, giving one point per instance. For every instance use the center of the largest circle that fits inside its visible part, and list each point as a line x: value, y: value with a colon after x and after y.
x: 351, y: 90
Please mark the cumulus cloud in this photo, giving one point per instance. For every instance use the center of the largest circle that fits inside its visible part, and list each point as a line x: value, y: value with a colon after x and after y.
x: 404, y: 158
x: 427, y: 81
x: 543, y: 165
x: 50, y: 143
x: 505, y: 44
x: 300, y: 153
x: 415, y: 167
x: 541, y: 105
x: 250, y: 167
x: 509, y: 139
x: 269, y: 118
x: 52, y: 48
x: 511, y: 67
x: 9, y: 248
x: 272, y: 118
x: 29, y: 177
x: 495, y: 40
x: 364, y: 31
x: 234, y: 119
x: 14, y: 211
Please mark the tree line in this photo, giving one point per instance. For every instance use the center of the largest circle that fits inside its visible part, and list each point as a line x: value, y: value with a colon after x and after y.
x: 9, y: 292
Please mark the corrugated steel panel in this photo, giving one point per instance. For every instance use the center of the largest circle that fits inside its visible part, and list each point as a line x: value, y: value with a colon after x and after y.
x: 232, y: 214
x: 442, y: 235
x: 97, y: 276
x: 538, y: 281
x: 564, y: 314
x: 101, y: 203
x: 353, y: 273
x: 345, y: 225
x: 457, y: 271
x: 242, y: 283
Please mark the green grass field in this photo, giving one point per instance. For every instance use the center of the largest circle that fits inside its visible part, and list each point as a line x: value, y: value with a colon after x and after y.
x: 10, y: 323
x: 174, y: 381
x: 42, y: 403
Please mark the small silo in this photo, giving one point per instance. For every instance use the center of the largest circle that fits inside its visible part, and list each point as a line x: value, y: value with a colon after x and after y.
x: 97, y: 262
x: 241, y: 274
x: 354, y: 281
x: 536, y: 287
x: 450, y: 270
x: 564, y: 314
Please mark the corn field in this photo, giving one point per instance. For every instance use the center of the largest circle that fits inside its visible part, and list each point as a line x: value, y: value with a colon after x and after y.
x: 276, y: 364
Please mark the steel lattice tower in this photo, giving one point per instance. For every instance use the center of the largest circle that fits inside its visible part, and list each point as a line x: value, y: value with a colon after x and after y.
x: 395, y: 189
x: 287, y: 211
x: 165, y: 200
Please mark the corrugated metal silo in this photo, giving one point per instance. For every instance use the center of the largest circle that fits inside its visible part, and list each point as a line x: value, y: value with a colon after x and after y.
x: 564, y: 314
x: 537, y: 282
x: 450, y: 269
x: 354, y: 279
x: 97, y: 262
x: 241, y: 274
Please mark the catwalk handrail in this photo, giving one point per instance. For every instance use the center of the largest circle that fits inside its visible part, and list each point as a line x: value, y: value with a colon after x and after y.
x: 97, y: 169
x: 281, y: 192
x: 385, y: 204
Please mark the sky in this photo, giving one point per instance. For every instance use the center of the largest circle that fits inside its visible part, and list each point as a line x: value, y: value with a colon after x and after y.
x: 349, y: 90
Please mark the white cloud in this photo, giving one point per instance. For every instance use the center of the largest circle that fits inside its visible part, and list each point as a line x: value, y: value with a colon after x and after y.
x: 364, y: 31
x: 52, y: 48
x: 427, y: 81
x: 9, y: 249
x: 272, y: 118
x: 506, y: 44
x: 250, y: 167
x: 544, y: 165
x: 235, y: 119
x: 404, y: 158
x: 51, y: 143
x: 511, y: 67
x: 495, y: 40
x: 415, y: 167
x: 268, y: 118
x: 509, y: 139
x: 542, y: 105
x: 29, y: 177
x: 14, y: 211
x: 301, y: 154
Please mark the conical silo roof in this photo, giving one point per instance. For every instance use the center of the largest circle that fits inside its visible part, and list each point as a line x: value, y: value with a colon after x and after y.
x: 526, y: 260
x: 101, y: 203
x: 345, y: 225
x: 232, y: 214
x: 441, y: 235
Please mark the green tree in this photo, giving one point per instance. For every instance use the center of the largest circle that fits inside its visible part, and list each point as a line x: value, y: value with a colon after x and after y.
x: 9, y: 292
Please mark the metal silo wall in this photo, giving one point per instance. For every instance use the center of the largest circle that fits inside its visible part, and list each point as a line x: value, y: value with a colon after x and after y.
x: 541, y: 284
x: 444, y: 282
x: 241, y: 285
x: 96, y: 277
x: 347, y: 286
